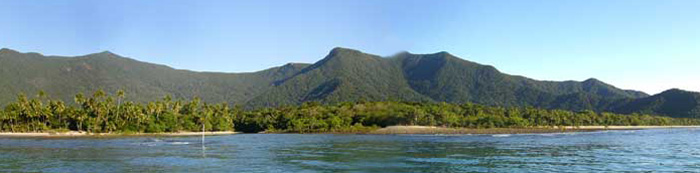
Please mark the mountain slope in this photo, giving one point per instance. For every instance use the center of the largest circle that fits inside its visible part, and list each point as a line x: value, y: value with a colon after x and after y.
x: 350, y: 75
x: 444, y: 77
x: 343, y: 75
x: 674, y: 103
x: 63, y: 77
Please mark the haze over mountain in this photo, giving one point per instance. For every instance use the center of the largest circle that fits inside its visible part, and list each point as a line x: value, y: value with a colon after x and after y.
x: 343, y: 75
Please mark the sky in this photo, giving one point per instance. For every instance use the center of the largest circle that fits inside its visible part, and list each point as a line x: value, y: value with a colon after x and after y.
x: 633, y: 44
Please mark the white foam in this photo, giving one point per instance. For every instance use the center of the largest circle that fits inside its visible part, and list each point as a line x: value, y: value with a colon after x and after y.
x: 501, y: 135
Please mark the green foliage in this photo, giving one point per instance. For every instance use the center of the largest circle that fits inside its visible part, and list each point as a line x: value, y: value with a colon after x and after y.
x: 344, y: 75
x: 103, y: 113
x: 100, y: 113
x: 312, y: 117
x: 673, y: 103
x: 61, y: 77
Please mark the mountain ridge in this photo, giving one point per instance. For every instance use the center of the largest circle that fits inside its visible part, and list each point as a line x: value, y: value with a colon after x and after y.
x: 343, y: 75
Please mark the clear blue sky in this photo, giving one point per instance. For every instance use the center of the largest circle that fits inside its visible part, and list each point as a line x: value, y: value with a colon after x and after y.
x: 633, y: 44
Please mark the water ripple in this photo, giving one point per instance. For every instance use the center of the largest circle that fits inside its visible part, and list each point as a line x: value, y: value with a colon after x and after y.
x: 658, y: 150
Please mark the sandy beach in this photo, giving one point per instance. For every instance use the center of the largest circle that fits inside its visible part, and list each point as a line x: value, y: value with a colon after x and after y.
x: 443, y: 130
x: 85, y: 134
x: 386, y: 130
x: 625, y: 127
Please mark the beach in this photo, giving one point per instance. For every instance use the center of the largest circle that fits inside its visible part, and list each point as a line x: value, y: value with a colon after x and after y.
x: 85, y: 134
x: 445, y: 130
x: 386, y: 130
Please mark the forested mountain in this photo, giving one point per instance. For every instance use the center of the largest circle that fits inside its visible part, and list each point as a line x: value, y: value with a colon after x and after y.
x: 674, y: 103
x: 350, y: 75
x: 343, y: 75
x: 63, y: 77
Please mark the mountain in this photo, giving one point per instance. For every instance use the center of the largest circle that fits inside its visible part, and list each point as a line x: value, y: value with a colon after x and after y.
x: 343, y: 75
x: 63, y: 77
x: 350, y: 75
x: 675, y: 103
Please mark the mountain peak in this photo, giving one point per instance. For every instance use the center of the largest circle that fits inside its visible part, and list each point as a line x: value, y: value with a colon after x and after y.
x: 339, y: 50
x: 404, y: 52
x: 345, y: 55
x: 674, y: 91
x: 11, y: 52
x: 592, y: 80
x: 7, y: 50
x: 106, y: 52
x: 443, y: 53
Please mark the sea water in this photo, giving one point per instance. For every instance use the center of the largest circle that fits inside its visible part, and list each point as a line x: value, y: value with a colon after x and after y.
x: 602, y: 151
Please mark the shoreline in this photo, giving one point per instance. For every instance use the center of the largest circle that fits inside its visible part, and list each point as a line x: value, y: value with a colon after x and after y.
x: 626, y: 127
x: 85, y: 134
x: 390, y: 130
x: 530, y: 130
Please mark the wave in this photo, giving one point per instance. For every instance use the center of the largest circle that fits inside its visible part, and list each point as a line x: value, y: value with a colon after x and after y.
x: 179, y: 143
x: 501, y: 135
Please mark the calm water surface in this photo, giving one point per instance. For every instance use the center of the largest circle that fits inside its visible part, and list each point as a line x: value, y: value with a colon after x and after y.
x: 664, y: 150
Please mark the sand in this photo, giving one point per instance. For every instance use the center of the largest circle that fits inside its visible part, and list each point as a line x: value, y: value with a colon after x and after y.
x: 443, y: 130
x: 386, y: 130
x: 85, y: 134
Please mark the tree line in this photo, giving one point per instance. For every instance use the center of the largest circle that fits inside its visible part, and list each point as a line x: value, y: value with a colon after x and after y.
x: 104, y: 113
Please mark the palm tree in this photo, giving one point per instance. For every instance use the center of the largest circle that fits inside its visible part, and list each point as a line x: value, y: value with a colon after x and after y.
x: 58, y: 109
x: 120, y: 96
x: 4, y: 119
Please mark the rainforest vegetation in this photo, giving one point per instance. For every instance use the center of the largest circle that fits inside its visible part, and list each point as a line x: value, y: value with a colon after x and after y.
x: 103, y: 113
x: 344, y: 75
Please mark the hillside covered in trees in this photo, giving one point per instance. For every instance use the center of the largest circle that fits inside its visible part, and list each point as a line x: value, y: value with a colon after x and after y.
x: 103, y: 113
x: 344, y: 75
